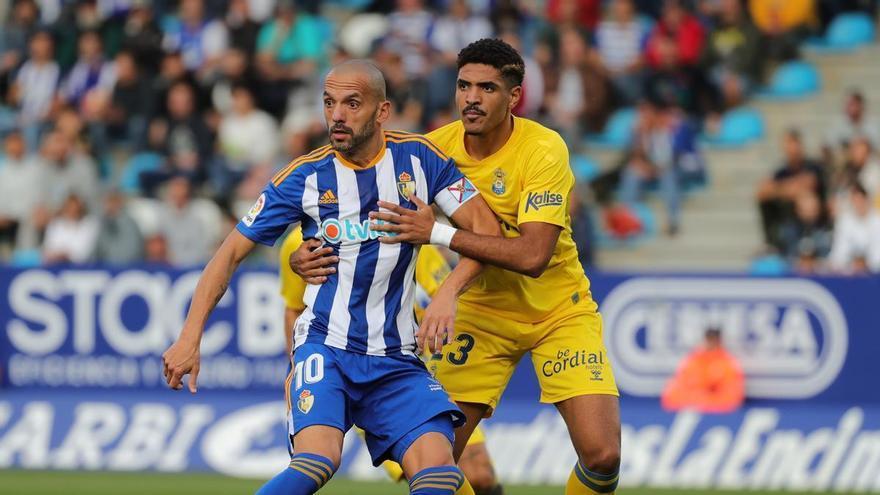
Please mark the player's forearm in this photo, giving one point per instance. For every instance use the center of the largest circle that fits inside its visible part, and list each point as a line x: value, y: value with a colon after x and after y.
x: 512, y: 254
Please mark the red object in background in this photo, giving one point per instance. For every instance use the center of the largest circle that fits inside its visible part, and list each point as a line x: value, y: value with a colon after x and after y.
x: 587, y: 12
x: 689, y: 40
x: 621, y: 222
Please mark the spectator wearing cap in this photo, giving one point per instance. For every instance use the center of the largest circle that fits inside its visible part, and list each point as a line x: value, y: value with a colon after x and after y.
x: 854, y: 122
x: 733, y: 53
x: 119, y: 240
x: 797, y: 175
x: 71, y: 235
x: 19, y: 182
x: 620, y: 40
x: 856, y: 244
x: 709, y: 380
x: 34, y: 88
x: 664, y: 151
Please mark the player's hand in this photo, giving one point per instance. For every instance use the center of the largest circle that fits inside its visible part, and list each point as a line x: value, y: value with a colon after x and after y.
x: 438, y: 323
x: 405, y: 225
x: 312, y: 262
x: 183, y: 357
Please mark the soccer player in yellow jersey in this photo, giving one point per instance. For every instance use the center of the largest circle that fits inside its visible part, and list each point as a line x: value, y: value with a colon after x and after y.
x: 535, y: 298
x: 431, y: 269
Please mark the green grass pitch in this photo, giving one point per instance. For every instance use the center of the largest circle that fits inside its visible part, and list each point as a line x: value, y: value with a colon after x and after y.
x: 99, y: 483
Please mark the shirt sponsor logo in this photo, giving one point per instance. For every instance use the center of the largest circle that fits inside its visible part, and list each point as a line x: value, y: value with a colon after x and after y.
x: 570, y: 359
x: 538, y: 200
x: 255, y: 210
x: 790, y: 335
x: 346, y: 231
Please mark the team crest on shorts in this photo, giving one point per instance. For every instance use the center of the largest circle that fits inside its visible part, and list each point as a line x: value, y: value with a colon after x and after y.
x: 406, y: 185
x: 498, y: 186
x: 305, y: 402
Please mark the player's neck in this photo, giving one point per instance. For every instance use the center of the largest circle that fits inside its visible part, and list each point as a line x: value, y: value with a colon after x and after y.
x: 481, y: 146
x: 366, y: 155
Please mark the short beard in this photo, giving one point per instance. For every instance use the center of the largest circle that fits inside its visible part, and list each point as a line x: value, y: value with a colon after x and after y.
x: 357, y: 138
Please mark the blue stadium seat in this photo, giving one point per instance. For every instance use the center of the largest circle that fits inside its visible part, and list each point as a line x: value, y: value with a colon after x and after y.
x: 739, y: 127
x: 26, y: 258
x: 846, y: 33
x: 792, y: 81
x: 617, y: 133
x: 585, y: 168
x: 130, y: 180
x: 770, y: 265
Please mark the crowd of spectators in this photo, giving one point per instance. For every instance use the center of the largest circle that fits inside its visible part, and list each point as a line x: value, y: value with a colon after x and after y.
x: 822, y: 214
x: 152, y: 125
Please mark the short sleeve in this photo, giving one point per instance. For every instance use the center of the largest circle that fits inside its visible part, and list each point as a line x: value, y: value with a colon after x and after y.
x: 548, y: 184
x: 276, y: 209
x: 447, y: 186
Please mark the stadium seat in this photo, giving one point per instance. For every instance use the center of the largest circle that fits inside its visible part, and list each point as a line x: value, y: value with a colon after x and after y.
x: 130, y: 179
x: 739, y: 127
x: 26, y: 258
x: 792, y: 81
x: 846, y: 33
x: 617, y: 133
x: 585, y: 168
x: 770, y: 265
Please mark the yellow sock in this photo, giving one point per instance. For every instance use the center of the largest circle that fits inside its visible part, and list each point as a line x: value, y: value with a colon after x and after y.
x: 395, y: 472
x: 466, y: 489
x: 582, y: 481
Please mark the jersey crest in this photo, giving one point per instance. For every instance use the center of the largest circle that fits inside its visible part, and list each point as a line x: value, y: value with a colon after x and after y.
x: 406, y: 185
x: 498, y: 185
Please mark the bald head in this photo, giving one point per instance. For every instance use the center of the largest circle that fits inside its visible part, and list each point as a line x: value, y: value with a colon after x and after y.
x: 364, y: 72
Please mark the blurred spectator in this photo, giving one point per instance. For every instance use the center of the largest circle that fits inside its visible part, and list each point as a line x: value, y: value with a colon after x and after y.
x: 408, y: 29
x: 581, y: 14
x: 234, y: 70
x: 290, y: 48
x: 91, y: 72
x: 200, y: 40
x: 19, y: 181
x: 172, y: 72
x: 798, y: 175
x: 71, y: 235
x: 22, y: 24
x: 806, y: 238
x: 784, y: 24
x: 242, y: 29
x: 532, y: 98
x: 239, y: 130
x: 664, y: 152
x: 582, y: 230
x: 855, y: 122
x: 620, y: 39
x: 34, y: 88
x: 129, y: 106
x: 578, y: 97
x: 143, y: 37
x: 65, y: 172
x: 677, y: 32
x: 407, y: 97
x: 856, y: 245
x: 184, y: 227
x: 187, y: 140
x: 156, y: 250
x: 733, y: 53
x: 861, y: 167
x: 119, y: 239
x: 76, y: 18
x: 709, y: 380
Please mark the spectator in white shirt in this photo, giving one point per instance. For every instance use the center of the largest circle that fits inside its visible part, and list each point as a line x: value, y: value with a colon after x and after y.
x: 71, y: 235
x: 855, y: 122
x: 856, y: 244
x: 19, y: 180
x: 35, y: 86
x: 240, y: 129
x: 620, y: 41
x: 200, y: 40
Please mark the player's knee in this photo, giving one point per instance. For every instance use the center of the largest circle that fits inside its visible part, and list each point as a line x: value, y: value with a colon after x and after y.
x: 604, y: 459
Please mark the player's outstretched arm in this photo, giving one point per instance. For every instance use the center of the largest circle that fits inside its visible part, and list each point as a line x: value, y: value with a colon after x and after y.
x: 528, y: 254
x: 437, y: 326
x: 183, y: 356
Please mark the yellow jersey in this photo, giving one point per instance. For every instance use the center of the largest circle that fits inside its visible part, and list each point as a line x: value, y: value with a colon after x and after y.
x: 528, y: 180
x: 431, y: 270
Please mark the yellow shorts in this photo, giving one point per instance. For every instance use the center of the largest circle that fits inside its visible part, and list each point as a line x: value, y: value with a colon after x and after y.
x: 567, y: 352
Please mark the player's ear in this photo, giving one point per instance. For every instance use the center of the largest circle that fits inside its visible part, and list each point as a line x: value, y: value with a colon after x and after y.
x: 383, y: 112
x: 515, y: 96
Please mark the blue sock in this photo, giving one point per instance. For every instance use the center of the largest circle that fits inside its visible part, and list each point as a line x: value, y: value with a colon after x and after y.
x: 306, y: 475
x: 442, y: 480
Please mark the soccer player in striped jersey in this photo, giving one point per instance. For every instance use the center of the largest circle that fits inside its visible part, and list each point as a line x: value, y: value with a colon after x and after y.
x: 355, y: 344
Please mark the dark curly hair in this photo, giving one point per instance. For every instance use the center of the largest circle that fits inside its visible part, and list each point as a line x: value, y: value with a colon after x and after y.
x: 498, y: 54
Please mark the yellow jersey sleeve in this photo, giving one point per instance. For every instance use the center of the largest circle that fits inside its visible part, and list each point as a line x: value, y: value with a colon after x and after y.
x: 292, y: 287
x: 547, y: 184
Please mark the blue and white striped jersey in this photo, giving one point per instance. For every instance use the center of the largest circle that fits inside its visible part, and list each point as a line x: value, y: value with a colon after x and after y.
x: 367, y: 305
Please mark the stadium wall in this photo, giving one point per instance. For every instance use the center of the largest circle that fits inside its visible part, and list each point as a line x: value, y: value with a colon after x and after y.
x: 82, y: 385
